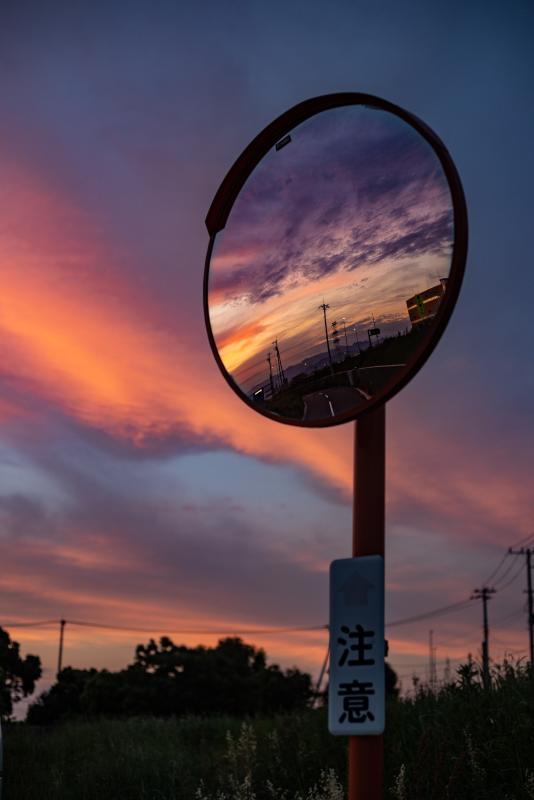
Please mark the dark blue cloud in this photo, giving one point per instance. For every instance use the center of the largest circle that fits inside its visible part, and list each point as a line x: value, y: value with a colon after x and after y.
x: 349, y: 167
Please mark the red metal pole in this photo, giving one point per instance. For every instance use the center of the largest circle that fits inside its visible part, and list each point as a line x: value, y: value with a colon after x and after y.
x: 366, y: 753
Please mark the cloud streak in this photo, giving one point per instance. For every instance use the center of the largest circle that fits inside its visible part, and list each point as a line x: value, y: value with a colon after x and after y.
x: 354, y: 187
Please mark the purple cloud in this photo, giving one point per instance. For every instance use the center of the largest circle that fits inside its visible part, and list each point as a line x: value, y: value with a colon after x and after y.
x: 350, y: 190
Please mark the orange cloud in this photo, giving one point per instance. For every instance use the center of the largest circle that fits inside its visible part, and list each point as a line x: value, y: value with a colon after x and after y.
x: 240, y: 334
x: 75, y: 335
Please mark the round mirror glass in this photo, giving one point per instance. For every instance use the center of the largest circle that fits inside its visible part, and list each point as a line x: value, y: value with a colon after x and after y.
x: 327, y: 281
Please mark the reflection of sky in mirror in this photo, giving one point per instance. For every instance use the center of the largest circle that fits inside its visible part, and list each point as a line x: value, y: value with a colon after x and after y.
x: 355, y: 210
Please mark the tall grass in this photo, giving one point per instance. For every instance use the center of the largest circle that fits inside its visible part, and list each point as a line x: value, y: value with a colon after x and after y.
x: 185, y: 759
x: 460, y: 743
x: 464, y: 742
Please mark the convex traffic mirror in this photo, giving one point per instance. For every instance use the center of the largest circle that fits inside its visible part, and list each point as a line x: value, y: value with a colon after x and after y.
x: 338, y: 242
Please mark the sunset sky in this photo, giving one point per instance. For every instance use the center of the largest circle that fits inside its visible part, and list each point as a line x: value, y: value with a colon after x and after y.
x: 355, y: 210
x: 135, y: 488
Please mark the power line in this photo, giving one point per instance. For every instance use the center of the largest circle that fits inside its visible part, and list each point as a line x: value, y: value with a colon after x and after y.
x: 90, y: 624
x: 505, y: 573
x: 452, y: 607
x: 244, y: 631
x: 497, y: 568
x: 434, y: 613
x: 512, y: 579
x: 523, y: 541
x: 456, y: 641
x: 207, y: 631
x: 30, y: 624
x: 491, y: 576
x: 443, y: 610
x: 510, y: 615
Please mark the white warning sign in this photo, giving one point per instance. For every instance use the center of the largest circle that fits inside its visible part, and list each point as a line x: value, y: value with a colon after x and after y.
x: 356, y: 693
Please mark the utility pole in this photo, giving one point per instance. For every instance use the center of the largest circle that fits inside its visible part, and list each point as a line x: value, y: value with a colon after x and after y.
x: 324, y: 669
x: 270, y: 372
x: 526, y: 551
x: 281, y: 374
x: 366, y: 753
x: 432, y: 676
x: 483, y: 594
x: 62, y: 624
x: 324, y: 306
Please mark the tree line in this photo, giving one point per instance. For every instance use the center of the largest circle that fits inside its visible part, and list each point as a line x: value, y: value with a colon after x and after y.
x: 165, y: 679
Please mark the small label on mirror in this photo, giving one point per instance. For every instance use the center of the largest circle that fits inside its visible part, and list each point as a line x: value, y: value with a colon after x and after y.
x: 282, y: 142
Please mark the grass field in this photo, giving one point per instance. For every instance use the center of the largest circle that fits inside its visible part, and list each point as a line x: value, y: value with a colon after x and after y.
x: 461, y: 744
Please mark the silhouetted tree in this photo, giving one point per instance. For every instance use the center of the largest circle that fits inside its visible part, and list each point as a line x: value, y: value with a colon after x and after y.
x: 232, y: 678
x: 17, y: 675
x: 172, y: 680
x: 63, y: 699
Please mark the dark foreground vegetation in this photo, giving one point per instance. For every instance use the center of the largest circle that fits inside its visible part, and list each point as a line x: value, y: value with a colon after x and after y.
x: 461, y: 743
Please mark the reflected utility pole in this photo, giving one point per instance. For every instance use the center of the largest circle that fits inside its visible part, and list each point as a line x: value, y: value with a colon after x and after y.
x: 324, y: 306
x: 270, y: 372
x: 483, y: 594
x: 281, y: 374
